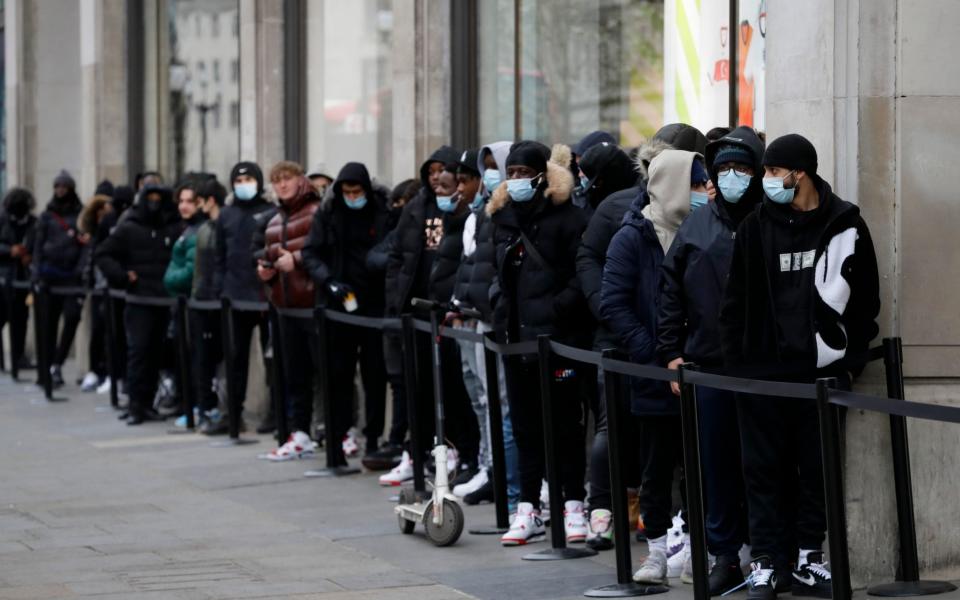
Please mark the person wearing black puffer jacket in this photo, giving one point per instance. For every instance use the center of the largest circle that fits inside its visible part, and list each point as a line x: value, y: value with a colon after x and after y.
x: 536, y: 233
x: 694, y: 277
x: 135, y: 256
x: 418, y: 234
x: 345, y: 229
x: 238, y: 222
x: 58, y: 260
x: 17, y: 227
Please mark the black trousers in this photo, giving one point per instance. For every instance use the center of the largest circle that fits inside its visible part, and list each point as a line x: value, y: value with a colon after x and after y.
x: 460, y: 422
x: 661, y: 453
x: 243, y: 325
x: 300, y: 363
x: 393, y: 361
x: 97, y: 349
x: 599, y: 450
x: 16, y: 314
x: 346, y: 347
x: 207, y: 353
x: 146, y: 330
x: 526, y: 412
x: 70, y: 308
x: 783, y: 473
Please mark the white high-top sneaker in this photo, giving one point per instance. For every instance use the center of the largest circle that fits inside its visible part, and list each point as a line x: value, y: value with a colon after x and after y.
x: 526, y: 528
x: 574, y: 522
x: 400, y: 473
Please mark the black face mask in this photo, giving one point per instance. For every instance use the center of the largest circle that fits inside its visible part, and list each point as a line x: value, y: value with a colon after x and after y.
x: 153, y: 206
x: 19, y: 209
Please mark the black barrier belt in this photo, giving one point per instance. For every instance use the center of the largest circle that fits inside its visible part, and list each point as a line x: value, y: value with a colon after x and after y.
x: 204, y: 305
x: 150, y: 301
x: 514, y: 349
x: 17, y: 284
x: 893, y: 406
x: 358, y: 321
x: 646, y: 371
x: 296, y: 313
x: 759, y: 387
x: 69, y: 290
x: 461, y: 334
x: 248, y: 306
x: 118, y: 294
x: 422, y: 326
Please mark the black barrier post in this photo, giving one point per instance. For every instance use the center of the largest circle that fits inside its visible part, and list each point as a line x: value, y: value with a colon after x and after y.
x: 334, y: 466
x: 499, y: 463
x: 183, y: 351
x: 908, y: 577
x: 234, y: 401
x: 616, y: 447
x: 689, y: 417
x: 410, y: 360
x: 38, y: 334
x: 277, y: 392
x: 829, y: 416
x: 10, y: 298
x: 45, y: 325
x: 558, y: 539
x: 113, y: 344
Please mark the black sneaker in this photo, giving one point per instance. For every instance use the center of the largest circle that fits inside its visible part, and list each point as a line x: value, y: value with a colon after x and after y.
x: 56, y: 377
x: 725, y: 575
x: 483, y: 494
x: 466, y: 474
x: 813, y: 578
x: 384, y: 459
x: 762, y: 580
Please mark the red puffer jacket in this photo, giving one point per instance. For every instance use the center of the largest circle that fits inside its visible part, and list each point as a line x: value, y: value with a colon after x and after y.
x: 289, y: 229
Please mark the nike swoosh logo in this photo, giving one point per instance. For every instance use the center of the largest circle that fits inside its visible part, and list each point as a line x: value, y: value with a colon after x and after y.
x: 808, y: 580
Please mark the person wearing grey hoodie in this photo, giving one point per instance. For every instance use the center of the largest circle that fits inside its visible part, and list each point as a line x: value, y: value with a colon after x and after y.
x: 628, y: 304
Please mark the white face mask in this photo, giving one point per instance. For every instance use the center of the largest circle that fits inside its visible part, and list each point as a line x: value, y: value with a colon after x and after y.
x: 245, y: 191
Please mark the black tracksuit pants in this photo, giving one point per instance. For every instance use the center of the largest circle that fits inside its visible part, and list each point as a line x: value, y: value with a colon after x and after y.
x: 146, y: 331
x: 526, y: 412
x: 783, y: 473
x: 599, y: 451
x: 207, y: 353
x: 661, y: 453
x: 244, y: 323
x: 16, y: 315
x: 346, y: 346
x: 70, y: 308
x: 393, y: 360
x: 97, y: 349
x: 299, y: 365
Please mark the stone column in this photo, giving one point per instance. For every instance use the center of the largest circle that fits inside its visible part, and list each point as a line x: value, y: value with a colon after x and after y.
x: 261, y: 81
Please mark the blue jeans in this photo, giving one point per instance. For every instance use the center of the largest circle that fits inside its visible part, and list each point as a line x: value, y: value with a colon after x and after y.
x: 510, y: 455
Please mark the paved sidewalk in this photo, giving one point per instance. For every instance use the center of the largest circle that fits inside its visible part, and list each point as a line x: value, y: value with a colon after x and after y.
x: 92, y: 508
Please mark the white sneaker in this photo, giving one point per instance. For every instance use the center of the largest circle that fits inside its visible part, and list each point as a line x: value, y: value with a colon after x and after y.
x: 298, y: 445
x: 654, y: 568
x: 574, y: 522
x: 453, y: 460
x: 478, y: 481
x: 675, y: 536
x: 104, y: 387
x: 601, y: 529
x: 526, y: 528
x: 675, y: 563
x: 90, y: 382
x: 545, y: 501
x: 400, y: 473
x: 350, y: 446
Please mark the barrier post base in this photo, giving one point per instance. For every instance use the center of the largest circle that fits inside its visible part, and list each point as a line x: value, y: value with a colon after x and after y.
x: 904, y: 589
x: 332, y: 471
x: 625, y: 590
x: 230, y: 442
x: 561, y: 554
x: 492, y: 530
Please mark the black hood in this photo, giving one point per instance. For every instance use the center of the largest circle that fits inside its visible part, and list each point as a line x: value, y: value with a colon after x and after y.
x: 445, y: 155
x: 353, y: 172
x: 168, y: 209
x: 247, y: 168
x: 67, y: 205
x: 746, y: 138
x: 681, y: 136
x: 608, y: 164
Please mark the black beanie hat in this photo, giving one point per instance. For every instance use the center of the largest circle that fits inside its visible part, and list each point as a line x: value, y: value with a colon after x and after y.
x: 529, y: 154
x: 104, y: 188
x: 65, y: 179
x: 792, y: 151
x: 698, y: 174
x: 733, y: 153
x: 247, y: 168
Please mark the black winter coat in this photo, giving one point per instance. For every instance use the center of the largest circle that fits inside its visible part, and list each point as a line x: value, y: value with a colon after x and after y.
x: 206, y: 276
x: 13, y: 232
x: 142, y: 242
x: 478, y: 271
x: 535, y: 295
x: 58, y: 255
x: 443, y: 274
x: 235, y: 261
x: 592, y: 255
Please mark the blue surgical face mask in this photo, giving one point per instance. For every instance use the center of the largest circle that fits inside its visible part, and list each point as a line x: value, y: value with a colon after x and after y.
x: 733, y: 185
x: 584, y: 182
x: 477, y: 201
x: 491, y: 179
x: 773, y: 186
x: 355, y: 203
x: 245, y: 191
x: 446, y: 203
x: 698, y: 199
x: 521, y: 190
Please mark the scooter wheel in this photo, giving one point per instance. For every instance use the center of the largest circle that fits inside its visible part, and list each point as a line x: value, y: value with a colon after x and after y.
x: 406, y: 527
x: 447, y: 532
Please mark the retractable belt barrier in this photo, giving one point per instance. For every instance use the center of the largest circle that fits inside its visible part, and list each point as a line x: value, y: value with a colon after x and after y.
x: 829, y: 401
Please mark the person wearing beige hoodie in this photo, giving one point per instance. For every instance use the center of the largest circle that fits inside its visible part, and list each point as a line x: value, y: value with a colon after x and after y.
x: 628, y: 303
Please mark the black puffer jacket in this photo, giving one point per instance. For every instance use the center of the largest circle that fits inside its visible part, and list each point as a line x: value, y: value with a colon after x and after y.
x: 532, y: 294
x: 592, y: 254
x: 478, y: 271
x: 694, y: 273
x: 236, y: 227
x: 443, y: 275
x: 142, y: 242
x: 15, y: 231
x: 405, y: 256
x: 331, y: 253
x: 58, y: 254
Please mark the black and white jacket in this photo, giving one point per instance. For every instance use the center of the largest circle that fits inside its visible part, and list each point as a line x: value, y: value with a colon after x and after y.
x: 844, y: 287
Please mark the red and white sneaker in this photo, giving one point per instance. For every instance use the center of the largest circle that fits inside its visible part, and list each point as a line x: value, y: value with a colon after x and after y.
x: 350, y: 446
x: 298, y: 445
x: 526, y: 528
x: 574, y: 522
x: 400, y: 473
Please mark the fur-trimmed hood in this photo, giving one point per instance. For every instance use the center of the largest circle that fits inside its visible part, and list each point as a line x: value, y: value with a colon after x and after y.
x: 558, y: 186
x: 649, y: 151
x: 87, y: 222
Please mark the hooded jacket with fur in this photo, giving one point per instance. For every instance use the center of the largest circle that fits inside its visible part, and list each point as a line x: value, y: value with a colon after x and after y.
x: 536, y: 290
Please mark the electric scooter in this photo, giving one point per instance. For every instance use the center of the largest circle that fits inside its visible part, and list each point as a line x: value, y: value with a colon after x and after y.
x: 440, y: 514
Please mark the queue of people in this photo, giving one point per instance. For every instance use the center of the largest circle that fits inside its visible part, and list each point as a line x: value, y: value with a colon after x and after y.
x: 718, y: 250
